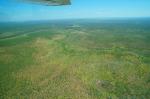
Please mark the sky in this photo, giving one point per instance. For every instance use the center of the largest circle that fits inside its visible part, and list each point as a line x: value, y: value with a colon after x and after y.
x: 19, y: 11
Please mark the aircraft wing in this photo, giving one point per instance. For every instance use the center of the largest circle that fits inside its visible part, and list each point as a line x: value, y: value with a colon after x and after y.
x: 49, y: 2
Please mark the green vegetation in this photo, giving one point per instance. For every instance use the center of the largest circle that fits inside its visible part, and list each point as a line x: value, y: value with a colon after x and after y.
x: 75, y: 60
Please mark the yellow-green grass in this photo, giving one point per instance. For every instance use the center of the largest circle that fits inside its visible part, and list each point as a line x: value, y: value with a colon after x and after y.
x: 87, y: 62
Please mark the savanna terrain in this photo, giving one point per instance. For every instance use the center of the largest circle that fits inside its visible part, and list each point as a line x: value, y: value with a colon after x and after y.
x: 75, y: 59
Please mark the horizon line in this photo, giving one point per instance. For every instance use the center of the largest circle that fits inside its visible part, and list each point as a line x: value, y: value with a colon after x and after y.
x: 59, y: 19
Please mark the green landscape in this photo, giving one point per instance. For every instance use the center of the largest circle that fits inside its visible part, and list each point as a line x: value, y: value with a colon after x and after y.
x: 75, y: 59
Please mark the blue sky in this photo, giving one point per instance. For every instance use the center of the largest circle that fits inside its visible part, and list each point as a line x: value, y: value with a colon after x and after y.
x: 17, y: 11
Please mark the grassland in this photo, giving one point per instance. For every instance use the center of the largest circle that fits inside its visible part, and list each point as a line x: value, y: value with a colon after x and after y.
x: 77, y: 59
